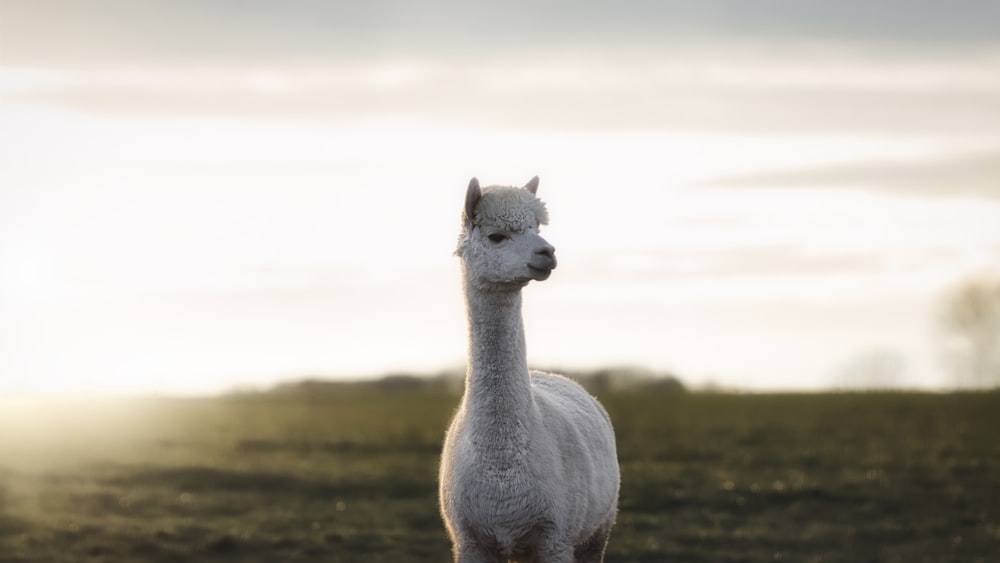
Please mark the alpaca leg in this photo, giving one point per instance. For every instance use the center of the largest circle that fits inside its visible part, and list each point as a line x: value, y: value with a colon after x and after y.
x: 592, y: 550
x: 474, y: 553
x: 555, y: 552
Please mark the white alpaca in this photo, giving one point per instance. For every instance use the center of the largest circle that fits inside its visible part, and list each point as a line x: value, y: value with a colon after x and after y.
x: 529, y: 470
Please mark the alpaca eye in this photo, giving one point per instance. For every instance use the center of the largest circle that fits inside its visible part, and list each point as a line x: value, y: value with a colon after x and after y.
x: 497, y: 237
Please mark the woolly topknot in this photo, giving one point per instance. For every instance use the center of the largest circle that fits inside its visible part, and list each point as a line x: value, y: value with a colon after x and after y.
x: 514, y: 209
x: 509, y: 207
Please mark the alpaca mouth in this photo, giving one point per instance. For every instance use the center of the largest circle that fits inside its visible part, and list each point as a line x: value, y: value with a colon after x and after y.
x: 539, y: 273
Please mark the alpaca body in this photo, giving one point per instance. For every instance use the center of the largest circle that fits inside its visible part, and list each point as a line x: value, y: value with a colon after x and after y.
x: 529, y: 470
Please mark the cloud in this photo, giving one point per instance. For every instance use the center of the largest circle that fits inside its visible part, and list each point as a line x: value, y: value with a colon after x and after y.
x: 255, y: 32
x: 970, y: 175
x: 776, y: 65
x: 753, y: 92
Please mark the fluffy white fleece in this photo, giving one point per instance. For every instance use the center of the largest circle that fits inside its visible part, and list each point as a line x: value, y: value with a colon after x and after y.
x: 529, y: 470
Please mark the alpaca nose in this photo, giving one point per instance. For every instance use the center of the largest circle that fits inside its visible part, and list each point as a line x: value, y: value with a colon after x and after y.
x: 549, y: 252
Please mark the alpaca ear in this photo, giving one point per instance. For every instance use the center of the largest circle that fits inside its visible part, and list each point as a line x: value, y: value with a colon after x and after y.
x: 532, y: 185
x: 472, y: 197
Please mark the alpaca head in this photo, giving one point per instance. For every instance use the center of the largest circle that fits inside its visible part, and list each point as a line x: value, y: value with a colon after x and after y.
x: 500, y: 246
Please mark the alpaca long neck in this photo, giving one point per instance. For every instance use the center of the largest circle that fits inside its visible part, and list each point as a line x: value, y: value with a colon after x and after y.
x: 498, y: 389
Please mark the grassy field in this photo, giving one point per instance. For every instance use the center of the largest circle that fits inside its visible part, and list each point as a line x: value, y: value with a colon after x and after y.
x: 350, y: 475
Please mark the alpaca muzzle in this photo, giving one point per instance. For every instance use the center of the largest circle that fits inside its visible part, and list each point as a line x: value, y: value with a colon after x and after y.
x: 541, y: 266
x: 544, y: 257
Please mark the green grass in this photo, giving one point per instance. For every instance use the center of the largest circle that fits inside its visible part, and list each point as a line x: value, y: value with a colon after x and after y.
x: 350, y: 475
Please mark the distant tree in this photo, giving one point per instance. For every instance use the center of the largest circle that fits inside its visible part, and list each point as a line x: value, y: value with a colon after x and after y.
x: 971, y: 314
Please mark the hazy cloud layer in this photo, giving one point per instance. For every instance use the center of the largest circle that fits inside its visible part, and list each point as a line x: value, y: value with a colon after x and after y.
x: 829, y: 93
x: 778, y: 65
x: 301, y: 31
x: 974, y: 175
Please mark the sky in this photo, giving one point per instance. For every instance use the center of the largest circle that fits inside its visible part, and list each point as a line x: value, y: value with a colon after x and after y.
x: 203, y: 196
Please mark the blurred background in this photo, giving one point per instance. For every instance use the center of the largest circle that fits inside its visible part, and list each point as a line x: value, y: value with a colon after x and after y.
x: 202, y: 196
x: 199, y: 197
